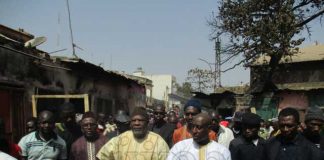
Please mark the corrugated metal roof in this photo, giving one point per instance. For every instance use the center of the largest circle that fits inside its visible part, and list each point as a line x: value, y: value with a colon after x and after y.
x: 301, y: 86
x: 235, y: 89
x: 16, y: 35
x: 306, y: 54
x: 140, y: 80
x: 92, y: 68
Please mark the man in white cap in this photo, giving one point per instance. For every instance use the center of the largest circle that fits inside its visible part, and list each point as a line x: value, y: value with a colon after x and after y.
x: 139, y: 143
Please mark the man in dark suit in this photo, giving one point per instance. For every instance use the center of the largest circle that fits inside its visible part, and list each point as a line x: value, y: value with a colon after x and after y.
x: 289, y: 144
x: 249, y: 145
x: 160, y: 126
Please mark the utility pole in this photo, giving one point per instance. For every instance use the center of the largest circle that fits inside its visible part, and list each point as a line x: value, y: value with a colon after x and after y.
x: 217, y: 74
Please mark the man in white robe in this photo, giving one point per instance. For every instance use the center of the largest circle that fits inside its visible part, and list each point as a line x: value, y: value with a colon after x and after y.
x: 199, y: 147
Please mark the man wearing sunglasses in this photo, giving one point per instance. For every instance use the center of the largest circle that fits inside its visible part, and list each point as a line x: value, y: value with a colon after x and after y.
x: 160, y: 126
x: 192, y: 108
x: 200, y: 146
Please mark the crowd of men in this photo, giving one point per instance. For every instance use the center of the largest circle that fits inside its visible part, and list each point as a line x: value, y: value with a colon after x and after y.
x: 162, y: 135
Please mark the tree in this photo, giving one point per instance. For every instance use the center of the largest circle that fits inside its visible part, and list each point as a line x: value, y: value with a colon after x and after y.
x: 264, y: 27
x: 200, y: 79
x: 185, y: 89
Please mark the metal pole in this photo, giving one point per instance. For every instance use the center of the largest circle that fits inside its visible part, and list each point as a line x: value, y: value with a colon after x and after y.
x: 217, y: 63
x: 70, y: 25
x: 215, y: 74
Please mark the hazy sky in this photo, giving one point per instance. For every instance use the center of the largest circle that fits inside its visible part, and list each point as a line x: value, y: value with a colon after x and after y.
x: 161, y: 36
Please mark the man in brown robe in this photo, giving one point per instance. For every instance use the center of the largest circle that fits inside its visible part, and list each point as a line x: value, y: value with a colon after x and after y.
x: 87, y: 146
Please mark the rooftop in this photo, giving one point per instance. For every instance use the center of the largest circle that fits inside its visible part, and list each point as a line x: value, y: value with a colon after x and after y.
x: 236, y: 89
x: 309, y: 53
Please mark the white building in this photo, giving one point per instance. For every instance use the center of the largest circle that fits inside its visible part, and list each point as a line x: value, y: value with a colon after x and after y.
x: 163, y: 85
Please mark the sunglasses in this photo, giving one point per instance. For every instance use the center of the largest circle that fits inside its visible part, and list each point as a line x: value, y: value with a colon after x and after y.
x: 198, y: 126
x: 89, y: 125
x: 192, y: 114
x: 287, y: 125
x: 159, y: 113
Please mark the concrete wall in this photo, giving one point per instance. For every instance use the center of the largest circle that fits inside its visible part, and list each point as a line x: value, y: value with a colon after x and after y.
x: 293, y: 99
x: 163, y: 85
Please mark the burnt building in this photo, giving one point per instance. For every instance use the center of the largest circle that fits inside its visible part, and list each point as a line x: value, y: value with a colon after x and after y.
x: 28, y: 71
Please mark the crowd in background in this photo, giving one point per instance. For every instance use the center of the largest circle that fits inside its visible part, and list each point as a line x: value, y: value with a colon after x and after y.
x: 160, y: 134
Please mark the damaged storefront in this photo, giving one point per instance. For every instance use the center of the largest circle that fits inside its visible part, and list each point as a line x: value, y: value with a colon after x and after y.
x: 28, y: 71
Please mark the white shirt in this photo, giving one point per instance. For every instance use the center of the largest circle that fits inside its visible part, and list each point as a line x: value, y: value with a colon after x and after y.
x: 255, y: 142
x: 190, y: 150
x: 225, y: 136
x: 4, y: 156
